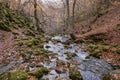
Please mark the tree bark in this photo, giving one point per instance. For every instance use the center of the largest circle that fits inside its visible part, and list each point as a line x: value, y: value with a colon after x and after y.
x: 68, y: 10
x: 73, y: 13
x: 36, y: 17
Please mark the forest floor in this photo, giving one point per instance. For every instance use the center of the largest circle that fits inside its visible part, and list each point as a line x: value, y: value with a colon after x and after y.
x: 6, y: 45
x: 109, y: 24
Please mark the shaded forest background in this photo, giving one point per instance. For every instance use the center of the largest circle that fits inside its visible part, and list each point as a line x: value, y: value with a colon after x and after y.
x: 53, y: 18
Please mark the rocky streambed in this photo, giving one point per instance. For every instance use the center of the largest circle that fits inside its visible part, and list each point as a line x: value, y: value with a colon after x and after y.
x: 73, y: 56
x: 64, y: 61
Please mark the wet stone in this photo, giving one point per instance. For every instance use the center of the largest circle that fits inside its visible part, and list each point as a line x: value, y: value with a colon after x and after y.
x: 72, y: 55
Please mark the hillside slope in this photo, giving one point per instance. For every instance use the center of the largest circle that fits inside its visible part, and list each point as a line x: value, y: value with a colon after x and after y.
x: 109, y: 23
x: 20, y: 45
x: 9, y: 22
x: 105, y: 34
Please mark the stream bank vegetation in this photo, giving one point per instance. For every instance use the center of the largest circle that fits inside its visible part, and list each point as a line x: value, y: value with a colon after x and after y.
x: 27, y: 41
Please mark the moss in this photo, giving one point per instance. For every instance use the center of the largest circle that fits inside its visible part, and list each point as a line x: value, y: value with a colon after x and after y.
x: 17, y: 75
x: 28, y: 40
x: 91, y: 47
x: 3, y: 26
x: 26, y: 55
x: 29, y: 32
x: 105, y: 48
x: 107, y: 77
x: 3, y: 76
x: 15, y: 33
x: 43, y: 39
x: 95, y: 50
x: 39, y: 72
x: 10, y: 19
x: 35, y: 79
x: 39, y: 51
x: 75, y: 75
x: 87, y: 57
x: 66, y: 53
x: 96, y: 54
x: 79, y: 41
x: 67, y: 46
x: 70, y: 55
x: 115, y: 66
x: 96, y: 37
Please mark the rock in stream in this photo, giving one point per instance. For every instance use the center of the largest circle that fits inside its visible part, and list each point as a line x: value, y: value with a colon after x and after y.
x: 90, y: 69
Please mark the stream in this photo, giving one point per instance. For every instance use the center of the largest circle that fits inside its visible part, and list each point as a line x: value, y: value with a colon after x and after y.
x: 90, y: 68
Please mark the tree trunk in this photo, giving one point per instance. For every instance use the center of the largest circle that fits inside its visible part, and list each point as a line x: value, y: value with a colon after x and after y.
x: 73, y: 13
x: 68, y: 10
x: 36, y: 17
x: 68, y: 13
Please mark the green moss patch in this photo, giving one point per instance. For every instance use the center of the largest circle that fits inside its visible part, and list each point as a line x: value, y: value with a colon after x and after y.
x: 10, y: 19
x: 75, y: 75
x: 39, y: 72
x: 108, y: 77
x: 28, y: 40
x: 96, y: 37
x: 17, y: 75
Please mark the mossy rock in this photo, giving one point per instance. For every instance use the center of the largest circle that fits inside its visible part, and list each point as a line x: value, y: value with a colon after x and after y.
x: 17, y: 75
x: 96, y: 37
x: 67, y: 46
x: 79, y: 41
x: 91, y: 47
x: 115, y: 66
x: 75, y: 75
x: 96, y: 53
x: 39, y: 72
x: 107, y: 77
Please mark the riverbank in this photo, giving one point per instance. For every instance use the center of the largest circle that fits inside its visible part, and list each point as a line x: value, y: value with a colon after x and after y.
x: 103, y: 37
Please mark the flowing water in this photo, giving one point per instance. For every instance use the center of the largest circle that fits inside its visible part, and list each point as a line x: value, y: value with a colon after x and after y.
x: 90, y: 69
